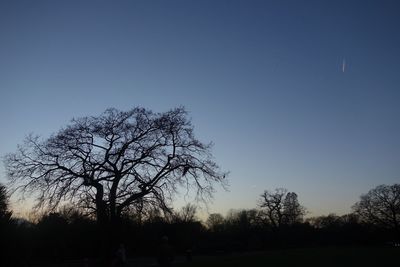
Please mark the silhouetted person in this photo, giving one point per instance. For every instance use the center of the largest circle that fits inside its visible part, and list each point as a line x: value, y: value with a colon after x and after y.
x: 120, y: 256
x: 188, y: 255
x: 86, y: 262
x: 165, y: 253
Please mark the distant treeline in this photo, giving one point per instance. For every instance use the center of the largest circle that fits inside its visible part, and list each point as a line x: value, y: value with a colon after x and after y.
x: 69, y: 234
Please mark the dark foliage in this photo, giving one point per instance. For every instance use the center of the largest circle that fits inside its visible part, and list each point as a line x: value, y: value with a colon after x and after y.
x: 6, y: 224
x: 281, y: 208
x: 71, y: 236
x: 381, y: 207
x: 5, y: 213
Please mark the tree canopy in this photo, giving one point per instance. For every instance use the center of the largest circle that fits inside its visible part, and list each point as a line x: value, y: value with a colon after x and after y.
x: 118, y: 161
x: 381, y: 206
x: 5, y: 213
x: 281, y: 207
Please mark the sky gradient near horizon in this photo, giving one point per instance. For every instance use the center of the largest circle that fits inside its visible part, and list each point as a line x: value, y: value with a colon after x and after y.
x: 297, y: 94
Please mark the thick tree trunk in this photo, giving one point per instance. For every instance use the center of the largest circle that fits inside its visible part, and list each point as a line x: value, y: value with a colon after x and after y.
x: 102, y: 216
x: 114, y: 216
x: 101, y: 207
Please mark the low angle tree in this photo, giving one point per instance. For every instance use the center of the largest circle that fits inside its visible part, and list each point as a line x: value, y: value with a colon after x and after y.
x: 381, y: 206
x: 115, y: 161
x: 281, y: 207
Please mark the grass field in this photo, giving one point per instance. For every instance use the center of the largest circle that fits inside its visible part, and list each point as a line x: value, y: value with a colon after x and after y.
x: 310, y: 257
x: 365, y: 257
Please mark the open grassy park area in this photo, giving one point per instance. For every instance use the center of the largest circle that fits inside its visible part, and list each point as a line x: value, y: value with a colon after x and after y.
x: 332, y: 256
x: 310, y: 257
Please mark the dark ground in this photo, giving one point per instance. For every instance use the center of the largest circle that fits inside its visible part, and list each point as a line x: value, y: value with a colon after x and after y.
x: 326, y: 257
x: 384, y: 256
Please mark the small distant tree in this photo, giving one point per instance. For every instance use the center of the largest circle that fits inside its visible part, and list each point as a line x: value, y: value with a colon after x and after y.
x: 7, y: 230
x: 187, y: 213
x: 116, y: 161
x: 5, y: 213
x: 281, y: 207
x: 323, y: 222
x: 293, y: 212
x: 244, y: 219
x: 73, y: 214
x: 215, y: 221
x: 381, y: 206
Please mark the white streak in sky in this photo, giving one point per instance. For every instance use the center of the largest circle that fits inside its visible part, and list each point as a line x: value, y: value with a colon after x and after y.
x: 343, y: 65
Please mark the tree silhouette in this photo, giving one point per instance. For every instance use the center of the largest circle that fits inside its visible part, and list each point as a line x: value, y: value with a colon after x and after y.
x: 6, y: 227
x: 292, y: 210
x: 381, y: 206
x: 281, y: 207
x: 115, y: 161
x: 5, y: 213
x: 215, y: 221
x: 186, y: 214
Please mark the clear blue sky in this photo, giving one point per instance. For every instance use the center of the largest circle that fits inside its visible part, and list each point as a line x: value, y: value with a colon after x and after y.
x: 263, y: 80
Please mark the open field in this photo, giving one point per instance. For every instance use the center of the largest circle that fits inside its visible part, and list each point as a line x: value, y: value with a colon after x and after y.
x: 310, y: 257
x: 333, y: 256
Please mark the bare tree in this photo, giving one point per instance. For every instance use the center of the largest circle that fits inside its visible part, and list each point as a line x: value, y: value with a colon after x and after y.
x: 281, y: 207
x: 244, y: 219
x: 187, y: 213
x: 293, y: 212
x: 215, y: 221
x: 381, y: 206
x: 115, y: 161
x: 5, y: 213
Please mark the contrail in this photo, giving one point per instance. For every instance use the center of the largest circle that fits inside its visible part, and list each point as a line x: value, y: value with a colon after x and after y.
x: 343, y: 65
